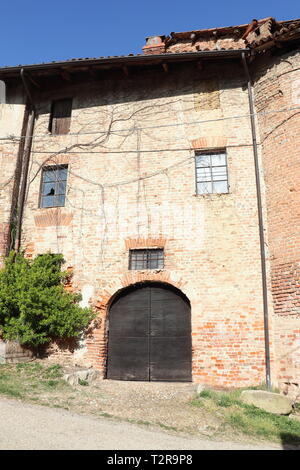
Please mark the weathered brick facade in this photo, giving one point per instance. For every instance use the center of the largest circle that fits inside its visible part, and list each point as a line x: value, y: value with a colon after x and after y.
x: 131, y: 184
x: 277, y: 87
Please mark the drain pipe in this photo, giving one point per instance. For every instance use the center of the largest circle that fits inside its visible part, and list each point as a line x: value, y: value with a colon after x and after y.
x: 261, y: 225
x: 25, y: 160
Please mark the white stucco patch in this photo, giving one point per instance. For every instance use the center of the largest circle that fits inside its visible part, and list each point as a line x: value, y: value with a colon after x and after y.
x: 296, y: 92
x: 87, y: 292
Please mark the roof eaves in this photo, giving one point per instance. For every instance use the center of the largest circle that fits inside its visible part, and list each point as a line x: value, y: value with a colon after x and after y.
x: 129, y: 59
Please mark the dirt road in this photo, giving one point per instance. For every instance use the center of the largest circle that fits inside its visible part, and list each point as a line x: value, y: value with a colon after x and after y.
x: 25, y: 426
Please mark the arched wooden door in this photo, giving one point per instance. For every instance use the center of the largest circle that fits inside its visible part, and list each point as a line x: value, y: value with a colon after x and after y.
x: 150, y: 335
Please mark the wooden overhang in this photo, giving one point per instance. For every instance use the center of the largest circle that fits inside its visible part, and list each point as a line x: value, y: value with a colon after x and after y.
x: 92, y: 66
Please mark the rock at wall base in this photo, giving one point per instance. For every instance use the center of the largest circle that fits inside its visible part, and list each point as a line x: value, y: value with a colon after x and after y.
x: 200, y: 388
x: 268, y: 401
x: 87, y: 375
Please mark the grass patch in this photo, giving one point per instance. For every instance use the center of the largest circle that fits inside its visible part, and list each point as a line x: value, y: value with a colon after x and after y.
x: 50, y: 383
x: 10, y: 390
x: 138, y: 421
x: 53, y: 372
x: 83, y: 382
x: 264, y: 387
x: 166, y: 427
x: 105, y: 415
x: 206, y: 394
x: 30, y: 380
x: 248, y: 419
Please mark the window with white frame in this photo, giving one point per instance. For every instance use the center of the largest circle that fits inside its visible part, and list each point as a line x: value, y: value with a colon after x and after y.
x: 211, y: 173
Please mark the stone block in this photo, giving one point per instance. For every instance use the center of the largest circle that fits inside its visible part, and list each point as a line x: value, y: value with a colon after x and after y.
x: 268, y: 401
x: 12, y: 352
x: 89, y: 375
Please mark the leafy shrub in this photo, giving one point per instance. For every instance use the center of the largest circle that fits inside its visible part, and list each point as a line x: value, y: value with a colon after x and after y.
x: 34, y: 306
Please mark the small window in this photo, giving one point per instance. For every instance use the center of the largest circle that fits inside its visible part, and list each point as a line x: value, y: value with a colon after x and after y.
x: 53, y: 188
x: 211, y: 173
x: 146, y: 259
x: 60, y: 119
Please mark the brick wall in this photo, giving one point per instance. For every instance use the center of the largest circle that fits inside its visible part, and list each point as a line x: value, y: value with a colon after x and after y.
x: 277, y: 89
x: 136, y: 186
x: 11, y: 119
x: 207, y: 43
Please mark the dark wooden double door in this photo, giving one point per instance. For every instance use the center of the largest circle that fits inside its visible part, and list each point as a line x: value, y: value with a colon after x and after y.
x: 150, y: 335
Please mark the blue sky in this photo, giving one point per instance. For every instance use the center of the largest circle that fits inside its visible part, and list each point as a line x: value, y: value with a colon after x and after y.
x: 35, y: 31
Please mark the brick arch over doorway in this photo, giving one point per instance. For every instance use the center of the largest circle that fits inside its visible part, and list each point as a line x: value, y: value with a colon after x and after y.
x: 97, y: 339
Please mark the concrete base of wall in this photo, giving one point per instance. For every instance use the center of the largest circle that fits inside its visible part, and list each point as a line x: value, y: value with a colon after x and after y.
x: 12, y: 352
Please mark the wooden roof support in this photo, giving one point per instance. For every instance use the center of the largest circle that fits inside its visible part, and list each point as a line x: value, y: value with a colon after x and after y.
x: 65, y: 75
x: 125, y: 70
x: 278, y: 44
x: 92, y: 72
x: 34, y: 82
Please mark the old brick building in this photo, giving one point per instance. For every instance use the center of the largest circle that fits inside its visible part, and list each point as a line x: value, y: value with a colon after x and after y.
x: 177, y: 213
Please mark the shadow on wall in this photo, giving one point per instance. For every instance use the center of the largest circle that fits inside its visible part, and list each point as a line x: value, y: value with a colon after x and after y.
x: 67, y: 346
x: 109, y: 88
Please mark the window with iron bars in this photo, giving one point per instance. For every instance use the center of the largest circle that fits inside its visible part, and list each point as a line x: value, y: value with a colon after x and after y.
x: 146, y: 259
x: 211, y: 173
x: 53, y: 186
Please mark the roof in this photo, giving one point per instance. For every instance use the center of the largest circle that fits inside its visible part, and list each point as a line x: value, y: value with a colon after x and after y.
x: 223, y: 42
x: 272, y: 32
x: 230, y: 29
x: 118, y: 61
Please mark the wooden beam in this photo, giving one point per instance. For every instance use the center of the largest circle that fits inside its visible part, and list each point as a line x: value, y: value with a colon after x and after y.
x: 278, y: 44
x: 34, y: 82
x: 92, y: 72
x: 125, y: 70
x: 65, y: 75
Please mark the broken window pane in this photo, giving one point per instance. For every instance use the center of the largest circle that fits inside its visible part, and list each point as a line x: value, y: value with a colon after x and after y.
x: 53, y: 187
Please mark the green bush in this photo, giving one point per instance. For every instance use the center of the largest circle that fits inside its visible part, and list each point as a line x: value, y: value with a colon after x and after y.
x: 34, y: 306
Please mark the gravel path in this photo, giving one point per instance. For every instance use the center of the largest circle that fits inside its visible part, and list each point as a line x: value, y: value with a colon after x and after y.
x: 35, y: 427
